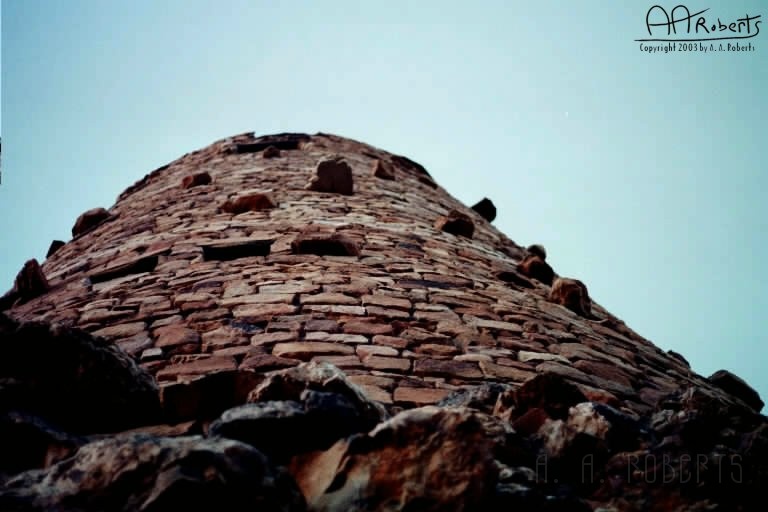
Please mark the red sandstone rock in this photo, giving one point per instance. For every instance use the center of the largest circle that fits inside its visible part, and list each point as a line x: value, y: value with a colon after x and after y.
x: 89, y: 220
x: 383, y: 170
x: 141, y: 473
x: 334, y: 175
x: 536, y: 268
x: 325, y: 245
x: 30, y: 282
x: 55, y: 246
x: 365, y: 282
x: 248, y: 203
x: 195, y: 180
x: 572, y: 294
x: 456, y: 223
x: 388, y: 468
x: 270, y: 152
x: 486, y: 209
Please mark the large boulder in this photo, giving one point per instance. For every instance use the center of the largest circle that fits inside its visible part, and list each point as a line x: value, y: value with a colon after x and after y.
x: 145, y: 473
x: 535, y: 267
x: 294, y: 383
x: 456, y: 223
x: 486, y: 209
x: 334, y: 175
x: 736, y: 386
x: 426, y: 459
x: 89, y: 220
x: 30, y: 282
x: 73, y: 380
x: 282, y: 429
x: 572, y: 294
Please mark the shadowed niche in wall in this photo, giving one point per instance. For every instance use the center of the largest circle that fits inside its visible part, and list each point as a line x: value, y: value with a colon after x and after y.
x: 232, y: 250
x: 137, y: 266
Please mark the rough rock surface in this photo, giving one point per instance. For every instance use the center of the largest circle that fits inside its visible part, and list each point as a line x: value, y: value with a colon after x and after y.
x: 535, y: 267
x: 30, y: 282
x: 576, y: 412
x: 486, y: 209
x: 429, y: 459
x: 572, y: 294
x: 89, y: 220
x: 147, y: 473
x: 196, y: 180
x: 71, y: 379
x: 734, y: 385
x: 332, y: 175
x: 456, y: 223
x: 248, y: 203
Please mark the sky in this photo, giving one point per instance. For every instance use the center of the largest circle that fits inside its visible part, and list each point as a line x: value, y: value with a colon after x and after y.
x: 643, y: 174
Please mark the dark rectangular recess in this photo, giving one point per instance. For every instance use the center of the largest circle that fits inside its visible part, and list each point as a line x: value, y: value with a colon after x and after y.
x: 137, y: 266
x: 233, y: 251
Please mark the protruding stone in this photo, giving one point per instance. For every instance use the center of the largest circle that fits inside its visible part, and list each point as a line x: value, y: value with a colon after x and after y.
x: 30, y: 282
x: 536, y: 268
x: 195, y: 180
x: 486, y: 209
x: 572, y: 294
x: 334, y: 175
x: 248, y: 203
x: 383, y: 170
x: 146, y: 473
x: 456, y: 223
x: 549, y: 392
x: 270, y: 152
x: 333, y: 244
x: 736, y: 386
x: 89, y: 220
x: 537, y: 250
x: 290, y: 384
x: 423, y: 459
x: 75, y: 381
x: 55, y: 246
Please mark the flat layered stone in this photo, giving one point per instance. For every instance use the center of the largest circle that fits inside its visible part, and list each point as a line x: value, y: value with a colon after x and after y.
x: 266, y: 362
x: 305, y: 350
x: 447, y: 368
x: 292, y: 287
x: 262, y: 312
x: 365, y: 351
x: 498, y: 371
x: 387, y: 363
x: 376, y: 393
x: 389, y: 313
x: 391, y: 341
x: 328, y: 298
x: 270, y: 338
x: 537, y: 357
x: 498, y: 326
x: 386, y: 302
x: 340, y: 310
x: 419, y: 396
x: 370, y: 328
x: 335, y: 337
x: 173, y: 335
x: 259, y: 298
x: 202, y: 366
x: 121, y: 330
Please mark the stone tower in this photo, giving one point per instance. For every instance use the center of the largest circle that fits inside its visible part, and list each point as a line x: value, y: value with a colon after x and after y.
x: 256, y: 254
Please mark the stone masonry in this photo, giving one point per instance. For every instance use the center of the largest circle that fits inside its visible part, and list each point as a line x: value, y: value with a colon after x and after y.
x: 379, y: 272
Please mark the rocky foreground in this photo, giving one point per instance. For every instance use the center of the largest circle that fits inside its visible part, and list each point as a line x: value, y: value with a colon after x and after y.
x: 82, y: 427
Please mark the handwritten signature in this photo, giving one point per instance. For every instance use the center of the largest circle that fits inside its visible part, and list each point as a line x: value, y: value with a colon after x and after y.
x: 742, y: 28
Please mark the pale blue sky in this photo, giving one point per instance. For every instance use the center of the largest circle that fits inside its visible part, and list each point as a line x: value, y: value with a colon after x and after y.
x: 643, y: 175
